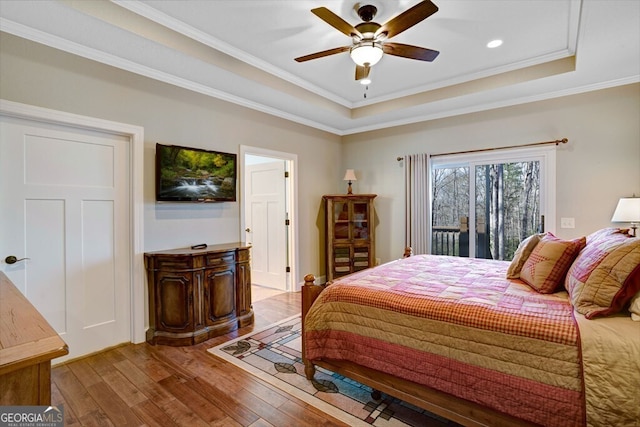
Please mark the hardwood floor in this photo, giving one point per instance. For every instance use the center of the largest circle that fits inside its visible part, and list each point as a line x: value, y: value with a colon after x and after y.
x: 141, y: 384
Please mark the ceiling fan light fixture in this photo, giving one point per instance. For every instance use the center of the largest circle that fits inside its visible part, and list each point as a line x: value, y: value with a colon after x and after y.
x: 366, y: 52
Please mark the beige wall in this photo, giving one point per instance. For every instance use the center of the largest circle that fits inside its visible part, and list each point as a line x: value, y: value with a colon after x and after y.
x: 37, y: 75
x: 600, y: 164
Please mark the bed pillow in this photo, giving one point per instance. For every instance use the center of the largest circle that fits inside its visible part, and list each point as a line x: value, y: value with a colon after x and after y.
x: 522, y: 254
x: 612, y: 284
x: 606, y: 234
x: 634, y: 307
x: 547, y: 266
x: 599, y: 244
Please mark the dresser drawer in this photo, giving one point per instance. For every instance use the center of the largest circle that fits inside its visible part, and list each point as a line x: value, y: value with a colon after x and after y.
x: 222, y: 259
x: 172, y: 263
x: 243, y: 255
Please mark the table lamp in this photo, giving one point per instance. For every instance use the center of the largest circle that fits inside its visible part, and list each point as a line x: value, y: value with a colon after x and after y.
x: 628, y: 210
x: 350, y: 176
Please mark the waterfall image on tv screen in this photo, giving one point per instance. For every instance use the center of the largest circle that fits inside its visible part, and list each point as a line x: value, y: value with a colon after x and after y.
x: 194, y: 175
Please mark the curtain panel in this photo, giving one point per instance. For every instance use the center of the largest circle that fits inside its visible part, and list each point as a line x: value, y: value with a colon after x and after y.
x: 417, y: 202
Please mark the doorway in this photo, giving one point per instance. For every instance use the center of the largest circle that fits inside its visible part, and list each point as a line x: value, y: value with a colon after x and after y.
x: 268, y: 216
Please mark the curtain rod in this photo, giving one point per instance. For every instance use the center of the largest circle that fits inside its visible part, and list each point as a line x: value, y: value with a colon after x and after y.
x: 557, y: 142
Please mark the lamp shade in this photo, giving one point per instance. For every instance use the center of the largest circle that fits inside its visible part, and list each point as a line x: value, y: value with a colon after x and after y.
x: 628, y: 210
x: 350, y: 175
x: 366, y: 53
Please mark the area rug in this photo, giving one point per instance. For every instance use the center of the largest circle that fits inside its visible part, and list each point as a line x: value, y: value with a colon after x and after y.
x: 273, y: 354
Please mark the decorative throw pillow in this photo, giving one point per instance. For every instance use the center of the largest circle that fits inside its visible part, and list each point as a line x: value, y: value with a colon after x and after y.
x: 599, y: 244
x: 612, y: 284
x: 546, y: 267
x: 522, y: 254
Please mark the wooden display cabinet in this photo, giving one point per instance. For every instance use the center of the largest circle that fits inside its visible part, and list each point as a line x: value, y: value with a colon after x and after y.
x: 350, y: 233
x: 197, y: 294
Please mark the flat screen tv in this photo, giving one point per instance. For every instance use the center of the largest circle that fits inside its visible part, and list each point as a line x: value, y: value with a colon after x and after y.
x: 194, y: 175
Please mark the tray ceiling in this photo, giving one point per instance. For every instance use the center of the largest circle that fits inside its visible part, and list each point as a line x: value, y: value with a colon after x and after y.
x: 243, y: 51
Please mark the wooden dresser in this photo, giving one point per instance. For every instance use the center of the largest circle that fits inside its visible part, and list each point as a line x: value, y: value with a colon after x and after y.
x: 27, y: 345
x: 197, y: 294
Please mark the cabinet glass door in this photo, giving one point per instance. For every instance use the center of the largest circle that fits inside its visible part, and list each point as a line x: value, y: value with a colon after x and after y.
x: 341, y: 221
x: 360, y: 220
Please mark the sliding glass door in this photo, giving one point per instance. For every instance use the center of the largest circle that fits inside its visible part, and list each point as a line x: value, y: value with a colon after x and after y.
x: 487, y: 212
x: 507, y: 207
x: 450, y: 185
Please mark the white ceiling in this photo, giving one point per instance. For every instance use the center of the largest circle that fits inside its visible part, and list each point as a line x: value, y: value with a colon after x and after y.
x: 243, y: 51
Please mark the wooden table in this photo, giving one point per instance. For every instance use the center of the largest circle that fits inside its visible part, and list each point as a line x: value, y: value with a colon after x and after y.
x: 27, y: 345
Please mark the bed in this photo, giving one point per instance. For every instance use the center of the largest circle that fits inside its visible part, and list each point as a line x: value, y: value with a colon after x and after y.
x: 494, y: 343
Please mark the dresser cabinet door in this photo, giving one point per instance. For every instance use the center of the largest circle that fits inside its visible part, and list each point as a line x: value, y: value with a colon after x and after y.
x: 220, y: 295
x: 174, y: 301
x: 243, y: 273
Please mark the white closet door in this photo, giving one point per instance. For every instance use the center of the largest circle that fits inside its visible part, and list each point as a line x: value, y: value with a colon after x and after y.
x: 64, y: 199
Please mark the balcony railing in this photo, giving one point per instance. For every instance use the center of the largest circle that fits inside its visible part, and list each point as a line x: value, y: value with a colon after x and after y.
x: 454, y: 241
x: 449, y: 241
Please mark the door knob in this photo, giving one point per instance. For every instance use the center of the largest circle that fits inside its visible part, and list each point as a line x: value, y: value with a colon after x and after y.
x: 248, y: 230
x: 12, y: 259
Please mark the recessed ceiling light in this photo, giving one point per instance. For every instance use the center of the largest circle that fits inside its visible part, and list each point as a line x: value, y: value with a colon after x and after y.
x: 494, y: 43
x: 365, y: 81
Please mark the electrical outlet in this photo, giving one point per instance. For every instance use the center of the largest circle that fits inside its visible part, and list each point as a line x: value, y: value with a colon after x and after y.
x: 567, y: 223
x: 377, y: 261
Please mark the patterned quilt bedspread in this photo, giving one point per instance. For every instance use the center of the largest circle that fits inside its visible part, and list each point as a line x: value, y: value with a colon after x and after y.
x: 459, y: 326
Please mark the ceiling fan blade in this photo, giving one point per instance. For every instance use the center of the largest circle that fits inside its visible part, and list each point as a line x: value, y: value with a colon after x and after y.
x: 323, y: 53
x: 336, y: 22
x: 411, y: 52
x: 408, y: 18
x: 362, y: 72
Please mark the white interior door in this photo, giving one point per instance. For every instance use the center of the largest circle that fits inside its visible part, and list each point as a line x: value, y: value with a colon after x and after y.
x: 64, y: 198
x: 265, y: 216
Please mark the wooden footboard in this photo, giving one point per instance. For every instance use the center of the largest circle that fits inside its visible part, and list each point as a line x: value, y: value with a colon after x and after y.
x: 445, y: 405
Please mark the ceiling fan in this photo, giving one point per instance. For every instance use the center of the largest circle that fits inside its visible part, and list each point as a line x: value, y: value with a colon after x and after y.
x: 370, y: 38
